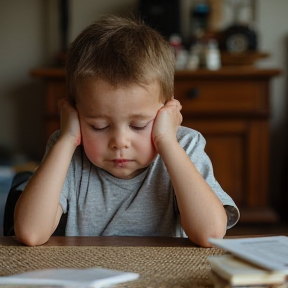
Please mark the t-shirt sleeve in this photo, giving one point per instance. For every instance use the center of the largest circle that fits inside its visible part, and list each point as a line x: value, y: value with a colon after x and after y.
x: 194, y: 144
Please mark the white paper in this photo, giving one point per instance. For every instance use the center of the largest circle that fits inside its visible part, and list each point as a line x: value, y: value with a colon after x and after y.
x: 92, y: 277
x: 268, y: 252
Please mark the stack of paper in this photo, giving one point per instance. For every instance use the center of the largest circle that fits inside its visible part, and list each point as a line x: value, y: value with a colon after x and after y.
x: 92, y: 277
x: 253, y: 261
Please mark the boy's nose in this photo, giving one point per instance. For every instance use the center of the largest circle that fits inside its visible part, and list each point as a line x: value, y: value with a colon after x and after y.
x: 120, y: 141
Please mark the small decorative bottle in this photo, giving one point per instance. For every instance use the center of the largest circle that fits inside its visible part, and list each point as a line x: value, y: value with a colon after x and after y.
x: 212, y: 55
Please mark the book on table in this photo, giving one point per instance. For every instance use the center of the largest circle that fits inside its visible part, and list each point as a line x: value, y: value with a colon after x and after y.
x: 90, y: 277
x: 255, y: 260
x: 239, y: 272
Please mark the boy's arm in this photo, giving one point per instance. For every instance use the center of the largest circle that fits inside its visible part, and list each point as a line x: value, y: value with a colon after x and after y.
x: 38, y: 211
x: 202, y: 213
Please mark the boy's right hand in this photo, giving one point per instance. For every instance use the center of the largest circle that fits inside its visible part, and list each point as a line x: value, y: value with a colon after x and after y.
x: 70, y: 126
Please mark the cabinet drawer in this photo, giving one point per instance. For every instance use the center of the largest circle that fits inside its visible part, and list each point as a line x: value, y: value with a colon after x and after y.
x: 222, y: 96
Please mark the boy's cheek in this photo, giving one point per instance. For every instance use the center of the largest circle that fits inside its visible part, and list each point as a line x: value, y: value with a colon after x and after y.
x: 151, y: 125
x: 149, y: 128
x: 92, y: 150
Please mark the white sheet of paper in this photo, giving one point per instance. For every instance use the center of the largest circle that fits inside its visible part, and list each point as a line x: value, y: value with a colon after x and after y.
x: 269, y: 252
x: 91, y: 277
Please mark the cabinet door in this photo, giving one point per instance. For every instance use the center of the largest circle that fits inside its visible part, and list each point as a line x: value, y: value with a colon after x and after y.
x: 226, y: 147
x: 238, y: 150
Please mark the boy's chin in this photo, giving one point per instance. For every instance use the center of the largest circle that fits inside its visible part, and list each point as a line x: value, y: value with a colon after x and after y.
x: 126, y: 175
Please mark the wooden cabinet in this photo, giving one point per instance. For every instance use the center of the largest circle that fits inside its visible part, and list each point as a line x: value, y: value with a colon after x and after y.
x: 230, y: 107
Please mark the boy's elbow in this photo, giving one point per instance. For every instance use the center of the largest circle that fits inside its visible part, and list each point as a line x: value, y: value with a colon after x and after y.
x: 216, y: 230
x: 203, y: 241
x: 201, y: 238
x: 30, y: 239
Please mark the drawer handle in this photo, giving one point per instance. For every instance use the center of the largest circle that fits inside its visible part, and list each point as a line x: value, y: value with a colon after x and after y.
x: 192, y: 93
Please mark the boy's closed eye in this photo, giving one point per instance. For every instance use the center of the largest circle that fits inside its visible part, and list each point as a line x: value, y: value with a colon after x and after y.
x: 99, y: 128
x: 137, y: 127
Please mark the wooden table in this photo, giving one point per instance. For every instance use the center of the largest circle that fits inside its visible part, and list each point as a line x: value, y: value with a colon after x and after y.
x: 107, y: 241
x: 160, y: 261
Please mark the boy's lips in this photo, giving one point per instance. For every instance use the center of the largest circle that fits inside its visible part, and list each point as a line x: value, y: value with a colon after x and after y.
x: 121, y: 162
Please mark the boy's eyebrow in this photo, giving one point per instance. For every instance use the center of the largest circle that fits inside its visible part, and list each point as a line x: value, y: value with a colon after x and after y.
x: 141, y: 116
x: 134, y: 116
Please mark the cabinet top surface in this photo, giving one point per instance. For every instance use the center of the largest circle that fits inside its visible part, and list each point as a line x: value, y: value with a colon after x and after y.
x: 226, y: 72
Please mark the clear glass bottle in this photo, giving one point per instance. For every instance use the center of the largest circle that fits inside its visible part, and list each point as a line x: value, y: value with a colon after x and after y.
x: 212, y: 55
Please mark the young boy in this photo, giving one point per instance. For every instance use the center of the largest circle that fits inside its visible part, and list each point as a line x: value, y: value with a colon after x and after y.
x: 121, y: 164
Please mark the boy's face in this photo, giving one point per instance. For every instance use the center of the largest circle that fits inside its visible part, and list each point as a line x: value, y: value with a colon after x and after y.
x: 116, y: 126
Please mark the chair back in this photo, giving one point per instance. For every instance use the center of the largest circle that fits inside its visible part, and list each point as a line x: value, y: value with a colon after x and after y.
x: 12, y: 198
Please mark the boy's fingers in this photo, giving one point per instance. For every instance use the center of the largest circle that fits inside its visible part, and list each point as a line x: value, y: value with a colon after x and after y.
x: 61, y: 102
x: 64, y: 103
x: 175, y: 103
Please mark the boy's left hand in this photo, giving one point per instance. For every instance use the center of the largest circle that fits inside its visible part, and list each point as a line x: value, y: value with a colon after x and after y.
x: 166, y: 123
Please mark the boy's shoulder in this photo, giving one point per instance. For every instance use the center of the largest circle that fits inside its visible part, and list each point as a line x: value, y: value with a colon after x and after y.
x: 182, y: 130
x: 185, y: 133
x: 189, y: 138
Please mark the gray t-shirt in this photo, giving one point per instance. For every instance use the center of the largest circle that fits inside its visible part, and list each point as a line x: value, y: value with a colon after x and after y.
x: 101, y: 204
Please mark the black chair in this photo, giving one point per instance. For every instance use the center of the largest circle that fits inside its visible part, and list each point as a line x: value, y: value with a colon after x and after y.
x: 12, y: 198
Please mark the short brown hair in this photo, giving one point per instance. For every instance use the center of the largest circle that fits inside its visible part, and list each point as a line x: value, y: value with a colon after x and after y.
x: 120, y: 50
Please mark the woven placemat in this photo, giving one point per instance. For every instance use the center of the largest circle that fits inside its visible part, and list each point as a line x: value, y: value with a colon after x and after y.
x: 158, y: 267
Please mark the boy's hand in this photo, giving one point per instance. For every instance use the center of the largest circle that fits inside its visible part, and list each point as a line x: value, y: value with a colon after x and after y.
x: 166, y: 123
x: 70, y: 126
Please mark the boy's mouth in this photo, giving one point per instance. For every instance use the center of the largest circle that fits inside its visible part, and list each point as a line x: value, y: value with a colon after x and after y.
x: 120, y: 162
